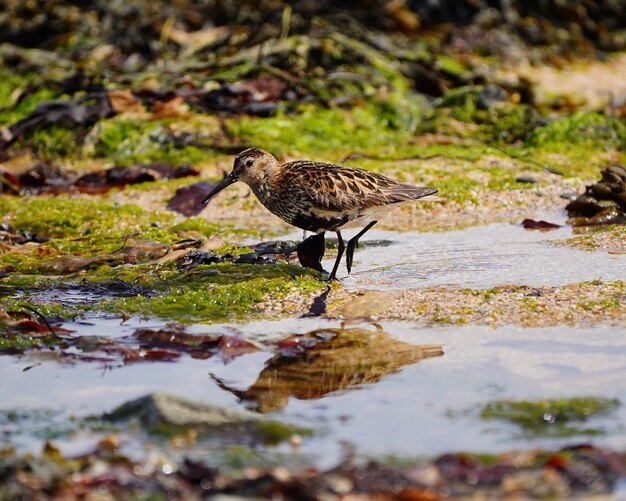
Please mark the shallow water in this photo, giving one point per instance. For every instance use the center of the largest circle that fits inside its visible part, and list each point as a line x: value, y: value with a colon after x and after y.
x: 424, y: 409
x: 478, y: 258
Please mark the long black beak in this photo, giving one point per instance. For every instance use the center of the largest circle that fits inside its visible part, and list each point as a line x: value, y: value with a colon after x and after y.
x: 224, y: 183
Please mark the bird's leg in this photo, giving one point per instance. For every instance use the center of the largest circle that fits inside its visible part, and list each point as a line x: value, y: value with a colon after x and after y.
x: 340, y: 249
x: 352, y: 243
x: 311, y: 252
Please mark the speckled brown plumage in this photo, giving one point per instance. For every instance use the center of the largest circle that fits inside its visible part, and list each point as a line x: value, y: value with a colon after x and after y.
x: 317, y: 196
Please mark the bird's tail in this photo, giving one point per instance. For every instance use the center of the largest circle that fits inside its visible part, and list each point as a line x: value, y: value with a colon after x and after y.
x: 406, y: 192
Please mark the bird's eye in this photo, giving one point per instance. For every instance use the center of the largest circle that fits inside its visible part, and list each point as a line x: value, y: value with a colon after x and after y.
x: 249, y: 163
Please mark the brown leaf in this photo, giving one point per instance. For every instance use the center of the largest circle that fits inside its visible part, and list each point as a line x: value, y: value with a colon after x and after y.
x: 175, y: 338
x: 531, y: 224
x: 188, y: 199
x: 124, y: 101
x: 231, y: 347
x: 70, y: 263
x: 198, y: 39
x: 172, y: 108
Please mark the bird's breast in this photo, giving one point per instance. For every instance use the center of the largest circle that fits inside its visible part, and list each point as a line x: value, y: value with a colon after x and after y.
x: 298, y: 209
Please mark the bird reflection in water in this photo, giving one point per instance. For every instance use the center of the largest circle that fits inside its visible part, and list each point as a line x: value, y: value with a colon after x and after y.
x: 323, y: 361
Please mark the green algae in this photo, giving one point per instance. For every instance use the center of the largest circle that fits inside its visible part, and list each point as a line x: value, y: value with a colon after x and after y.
x: 215, y: 292
x: 585, y: 129
x: 208, y: 293
x: 270, y: 432
x: 12, y: 83
x: 552, y: 417
x: 11, y: 304
x: 19, y: 341
x: 127, y: 141
x: 239, y: 456
x: 62, y: 217
x: 317, y: 130
x: 589, y: 240
x: 275, y: 432
x: 373, y: 126
x: 88, y: 227
x: 53, y: 142
x: 42, y: 423
x: 93, y: 233
x: 502, y: 122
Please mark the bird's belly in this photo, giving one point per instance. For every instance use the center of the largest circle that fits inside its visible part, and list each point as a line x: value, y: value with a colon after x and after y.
x: 315, y: 224
x: 303, y: 214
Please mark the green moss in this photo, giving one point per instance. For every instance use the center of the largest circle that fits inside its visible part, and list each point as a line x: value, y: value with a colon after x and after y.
x: 602, y: 305
x: 509, y: 123
x: 318, y: 130
x: 452, y: 66
x: 18, y: 341
x: 502, y: 122
x: 275, y: 432
x: 203, y: 227
x: 215, y: 292
x: 233, y: 458
x: 10, y: 82
x: 48, y: 310
x: 53, y: 142
x: 462, y: 102
x: 551, y: 417
x: 588, y: 239
x: 89, y: 227
x: 206, y: 294
x: 71, y: 217
x: 80, y: 225
x: 591, y: 130
x: 125, y: 142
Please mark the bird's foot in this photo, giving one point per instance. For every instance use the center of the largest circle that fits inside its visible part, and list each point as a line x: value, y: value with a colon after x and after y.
x: 330, y: 277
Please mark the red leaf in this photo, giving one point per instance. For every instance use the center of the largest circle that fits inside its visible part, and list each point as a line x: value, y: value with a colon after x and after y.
x: 531, y: 224
x: 231, y: 347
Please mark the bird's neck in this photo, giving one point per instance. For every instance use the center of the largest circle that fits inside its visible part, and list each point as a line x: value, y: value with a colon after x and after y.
x: 263, y: 182
x: 261, y: 186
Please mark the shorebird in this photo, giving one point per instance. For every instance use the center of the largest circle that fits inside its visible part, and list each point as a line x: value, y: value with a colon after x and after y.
x: 320, y: 197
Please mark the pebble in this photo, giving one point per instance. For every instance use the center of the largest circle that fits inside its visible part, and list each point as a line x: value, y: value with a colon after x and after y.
x: 526, y: 179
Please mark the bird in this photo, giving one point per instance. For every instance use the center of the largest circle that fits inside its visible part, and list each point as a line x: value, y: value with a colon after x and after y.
x: 319, y: 197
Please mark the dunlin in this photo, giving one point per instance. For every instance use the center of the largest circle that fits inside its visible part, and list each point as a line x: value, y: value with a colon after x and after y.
x: 318, y: 196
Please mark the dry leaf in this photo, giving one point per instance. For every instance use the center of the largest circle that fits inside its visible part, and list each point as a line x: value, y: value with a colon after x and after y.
x: 123, y: 101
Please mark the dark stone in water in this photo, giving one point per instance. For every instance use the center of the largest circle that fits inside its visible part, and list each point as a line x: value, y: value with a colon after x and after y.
x: 603, y: 202
x: 531, y: 224
x: 526, y: 179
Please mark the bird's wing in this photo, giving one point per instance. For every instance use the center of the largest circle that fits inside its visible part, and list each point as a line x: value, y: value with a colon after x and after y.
x: 336, y: 188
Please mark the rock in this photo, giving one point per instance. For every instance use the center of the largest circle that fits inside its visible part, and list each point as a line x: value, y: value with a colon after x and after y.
x: 157, y: 409
x: 618, y: 170
x: 603, y: 202
x: 162, y: 412
x: 491, y: 95
x: 526, y: 179
x: 600, y: 190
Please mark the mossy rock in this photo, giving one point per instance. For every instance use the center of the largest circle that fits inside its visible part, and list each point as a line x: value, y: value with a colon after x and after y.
x: 582, y: 128
x: 488, y: 108
x: 552, y: 417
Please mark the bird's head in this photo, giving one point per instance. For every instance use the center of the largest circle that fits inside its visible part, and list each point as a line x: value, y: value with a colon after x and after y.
x: 250, y: 166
